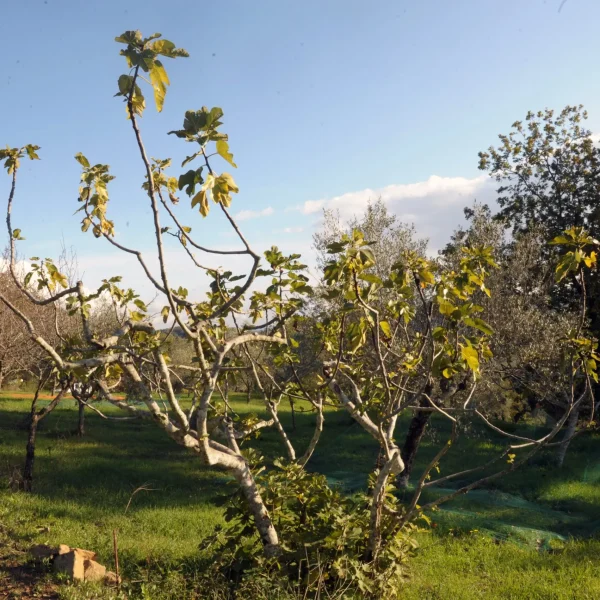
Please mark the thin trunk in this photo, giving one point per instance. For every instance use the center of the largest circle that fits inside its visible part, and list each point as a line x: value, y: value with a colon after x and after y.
x: 248, y: 394
x: 35, y: 418
x: 416, y: 429
x: 286, y: 441
x: 316, y: 435
x: 293, y: 414
x: 30, y: 452
x: 393, y: 466
x: 569, y: 433
x: 81, y: 420
x: 262, y: 520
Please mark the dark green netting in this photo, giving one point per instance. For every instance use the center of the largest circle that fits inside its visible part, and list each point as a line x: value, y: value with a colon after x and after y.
x: 503, y: 516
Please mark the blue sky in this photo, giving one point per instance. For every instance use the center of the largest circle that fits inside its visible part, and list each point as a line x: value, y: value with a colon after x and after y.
x: 327, y: 103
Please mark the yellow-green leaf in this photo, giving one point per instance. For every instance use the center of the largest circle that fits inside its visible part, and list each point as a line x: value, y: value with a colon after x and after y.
x: 223, y: 151
x: 479, y: 324
x: 201, y: 199
x: 82, y: 160
x: 471, y: 357
x: 446, y: 308
x: 160, y: 81
x: 165, y: 313
x: 385, y: 327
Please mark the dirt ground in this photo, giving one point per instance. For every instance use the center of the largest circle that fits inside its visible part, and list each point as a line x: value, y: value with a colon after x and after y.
x: 19, y: 579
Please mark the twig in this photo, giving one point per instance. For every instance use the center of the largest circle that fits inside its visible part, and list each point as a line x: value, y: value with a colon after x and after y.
x: 116, y: 552
x: 143, y: 488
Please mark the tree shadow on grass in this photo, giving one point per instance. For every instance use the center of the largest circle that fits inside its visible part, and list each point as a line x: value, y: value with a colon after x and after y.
x: 102, y: 469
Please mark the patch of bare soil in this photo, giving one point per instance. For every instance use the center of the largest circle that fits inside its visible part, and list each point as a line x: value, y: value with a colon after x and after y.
x: 19, y: 578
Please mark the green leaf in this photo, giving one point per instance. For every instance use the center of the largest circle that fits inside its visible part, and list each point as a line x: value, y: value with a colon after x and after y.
x: 82, y: 160
x: 426, y: 277
x: 190, y: 159
x: 478, y: 324
x: 17, y: 234
x: 31, y: 151
x: 189, y: 181
x: 446, y: 308
x: 438, y: 333
x: 367, y: 255
x: 168, y: 49
x: 125, y: 82
x: 140, y: 304
x: 370, y: 278
x: 566, y: 264
x: 129, y: 37
x: 223, y: 151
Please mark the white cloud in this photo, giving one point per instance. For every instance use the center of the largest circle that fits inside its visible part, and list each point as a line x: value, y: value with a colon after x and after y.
x: 434, y: 205
x: 437, y: 190
x: 292, y: 230
x: 245, y: 215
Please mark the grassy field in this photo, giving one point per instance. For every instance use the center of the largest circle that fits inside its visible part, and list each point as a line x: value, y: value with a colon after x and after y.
x: 533, y: 535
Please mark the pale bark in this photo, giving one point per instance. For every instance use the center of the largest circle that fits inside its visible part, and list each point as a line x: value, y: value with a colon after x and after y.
x: 286, y: 440
x: 81, y: 419
x: 213, y: 453
x: 363, y: 418
x: 569, y: 433
x: 316, y: 434
x: 392, y: 466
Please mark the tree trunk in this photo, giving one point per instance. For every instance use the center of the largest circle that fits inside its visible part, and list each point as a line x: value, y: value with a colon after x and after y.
x: 293, y: 414
x: 262, y: 520
x: 286, y: 440
x: 569, y: 432
x: 416, y: 429
x: 81, y: 421
x: 248, y: 394
x: 30, y: 453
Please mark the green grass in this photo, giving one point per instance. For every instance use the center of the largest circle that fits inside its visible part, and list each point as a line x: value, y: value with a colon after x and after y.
x: 82, y: 487
x: 473, y: 566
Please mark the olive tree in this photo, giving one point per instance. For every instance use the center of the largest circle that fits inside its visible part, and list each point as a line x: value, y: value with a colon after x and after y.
x: 548, y: 173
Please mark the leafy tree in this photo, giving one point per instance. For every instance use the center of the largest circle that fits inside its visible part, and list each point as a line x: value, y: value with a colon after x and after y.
x: 526, y: 372
x: 548, y: 171
x: 135, y: 350
x: 376, y: 223
x: 406, y: 337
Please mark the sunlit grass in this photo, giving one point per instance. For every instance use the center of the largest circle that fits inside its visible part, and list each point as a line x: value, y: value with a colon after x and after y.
x: 82, y: 488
